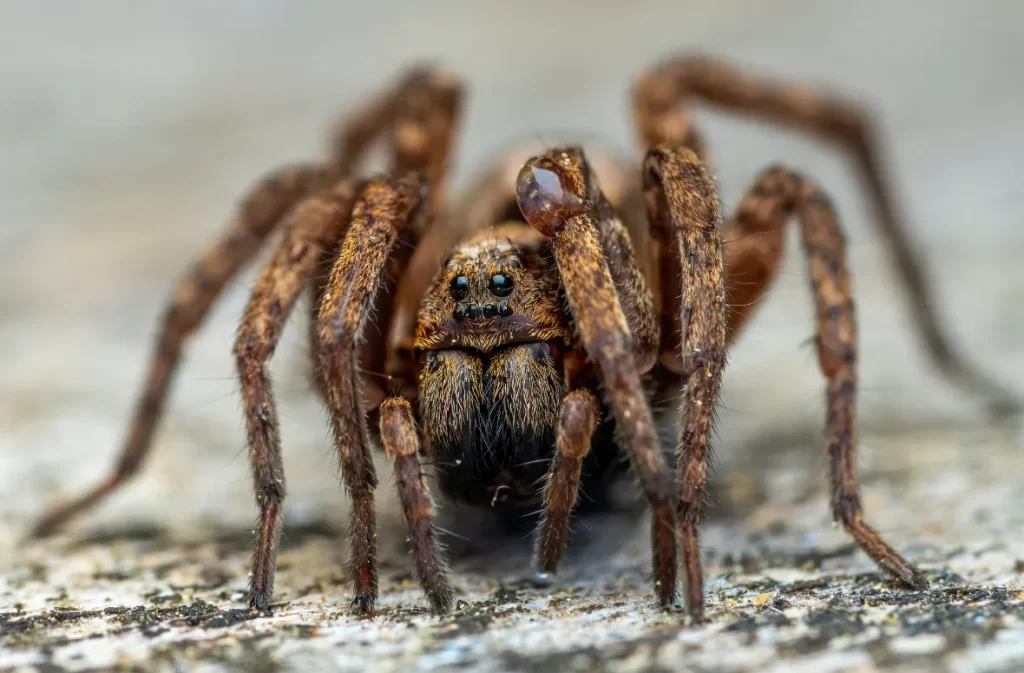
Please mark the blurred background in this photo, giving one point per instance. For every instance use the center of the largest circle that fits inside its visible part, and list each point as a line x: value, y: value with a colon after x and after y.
x: 129, y: 130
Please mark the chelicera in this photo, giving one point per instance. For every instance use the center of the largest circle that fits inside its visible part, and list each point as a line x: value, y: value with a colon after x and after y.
x: 525, y: 336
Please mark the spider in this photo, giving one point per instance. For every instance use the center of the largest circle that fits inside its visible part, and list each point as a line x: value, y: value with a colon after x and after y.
x: 519, y: 342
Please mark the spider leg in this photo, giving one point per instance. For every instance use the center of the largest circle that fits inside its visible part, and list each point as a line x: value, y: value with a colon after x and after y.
x: 630, y: 285
x: 658, y: 107
x: 424, y: 124
x: 384, y: 209
x: 424, y: 141
x: 684, y: 214
x: 837, y: 357
x: 553, y: 196
x: 402, y: 445
x: 755, y: 245
x: 260, y: 212
x: 315, y: 224
x: 777, y: 194
x: 580, y: 410
x: 356, y: 131
x: 577, y: 422
x: 355, y: 371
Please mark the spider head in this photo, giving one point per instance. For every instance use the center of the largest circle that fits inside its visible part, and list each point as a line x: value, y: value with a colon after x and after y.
x: 498, y: 288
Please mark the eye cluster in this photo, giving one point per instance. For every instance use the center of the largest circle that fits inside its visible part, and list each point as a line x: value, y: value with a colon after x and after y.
x: 500, y: 285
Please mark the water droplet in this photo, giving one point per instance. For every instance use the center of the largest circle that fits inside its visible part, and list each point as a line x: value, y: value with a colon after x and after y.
x: 458, y: 461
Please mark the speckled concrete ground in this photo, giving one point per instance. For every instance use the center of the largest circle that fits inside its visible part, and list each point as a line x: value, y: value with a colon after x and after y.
x: 129, y: 130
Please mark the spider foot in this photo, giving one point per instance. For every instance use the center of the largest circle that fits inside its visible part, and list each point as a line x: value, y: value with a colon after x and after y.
x: 259, y: 600
x: 441, y: 602
x: 364, y: 603
x: 692, y: 615
x: 695, y: 619
x: 909, y: 578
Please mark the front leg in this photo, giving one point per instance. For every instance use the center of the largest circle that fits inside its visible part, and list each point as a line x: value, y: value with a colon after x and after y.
x: 553, y: 196
x: 577, y: 422
x: 402, y: 445
x: 383, y: 211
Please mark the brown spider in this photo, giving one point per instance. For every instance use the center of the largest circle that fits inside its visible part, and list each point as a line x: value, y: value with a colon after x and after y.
x: 506, y: 329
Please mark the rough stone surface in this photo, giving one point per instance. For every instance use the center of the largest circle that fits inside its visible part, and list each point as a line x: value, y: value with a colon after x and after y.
x: 129, y: 130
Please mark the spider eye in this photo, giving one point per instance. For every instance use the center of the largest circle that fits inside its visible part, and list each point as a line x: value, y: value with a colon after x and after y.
x: 501, y: 285
x: 460, y: 288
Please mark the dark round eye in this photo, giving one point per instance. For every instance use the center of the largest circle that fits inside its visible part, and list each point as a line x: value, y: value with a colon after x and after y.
x: 501, y: 285
x: 460, y: 288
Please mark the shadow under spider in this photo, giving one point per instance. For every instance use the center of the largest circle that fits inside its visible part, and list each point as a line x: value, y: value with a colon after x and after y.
x: 492, y: 543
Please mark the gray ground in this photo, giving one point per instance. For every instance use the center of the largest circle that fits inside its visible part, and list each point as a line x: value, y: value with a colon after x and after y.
x: 128, y: 129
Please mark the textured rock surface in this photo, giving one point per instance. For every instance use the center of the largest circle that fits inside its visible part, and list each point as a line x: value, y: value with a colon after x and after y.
x: 128, y: 131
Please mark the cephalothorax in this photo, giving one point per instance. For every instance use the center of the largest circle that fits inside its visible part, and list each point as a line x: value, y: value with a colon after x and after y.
x: 521, y: 340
